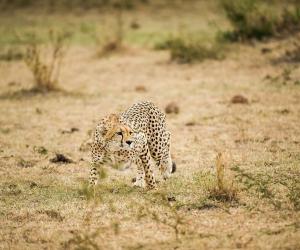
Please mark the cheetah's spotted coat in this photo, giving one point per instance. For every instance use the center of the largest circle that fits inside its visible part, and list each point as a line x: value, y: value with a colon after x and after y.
x: 136, y: 135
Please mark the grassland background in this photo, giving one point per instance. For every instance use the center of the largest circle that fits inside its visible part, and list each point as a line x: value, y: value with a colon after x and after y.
x: 44, y: 205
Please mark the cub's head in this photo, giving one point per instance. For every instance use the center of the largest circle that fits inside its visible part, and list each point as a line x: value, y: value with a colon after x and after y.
x: 116, y: 135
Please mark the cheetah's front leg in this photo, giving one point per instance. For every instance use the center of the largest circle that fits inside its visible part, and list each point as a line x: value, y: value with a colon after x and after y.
x: 140, y: 177
x: 146, y: 161
x: 97, y: 160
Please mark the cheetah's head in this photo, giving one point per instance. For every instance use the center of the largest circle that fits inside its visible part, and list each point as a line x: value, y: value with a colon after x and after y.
x: 117, y: 136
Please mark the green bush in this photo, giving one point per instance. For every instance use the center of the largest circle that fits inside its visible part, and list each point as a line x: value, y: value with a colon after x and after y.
x: 258, y: 19
x: 184, y: 50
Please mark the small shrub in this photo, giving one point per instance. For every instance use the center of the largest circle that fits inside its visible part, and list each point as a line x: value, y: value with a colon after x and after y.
x: 46, y: 72
x: 224, y: 190
x: 186, y: 50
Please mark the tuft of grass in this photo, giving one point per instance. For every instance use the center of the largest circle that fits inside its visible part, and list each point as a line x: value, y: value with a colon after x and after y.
x: 10, y: 189
x: 171, y: 217
x: 225, y: 189
x: 188, y: 50
x: 11, y: 54
x: 286, y: 77
x: 292, y: 55
x: 25, y: 163
x: 41, y: 150
x: 46, y: 71
x: 256, y: 19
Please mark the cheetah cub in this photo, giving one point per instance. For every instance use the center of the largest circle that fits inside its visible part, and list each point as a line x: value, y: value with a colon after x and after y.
x: 134, y: 136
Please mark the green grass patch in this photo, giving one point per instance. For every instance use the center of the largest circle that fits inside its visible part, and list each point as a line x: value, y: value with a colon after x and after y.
x: 280, y: 187
x: 30, y: 194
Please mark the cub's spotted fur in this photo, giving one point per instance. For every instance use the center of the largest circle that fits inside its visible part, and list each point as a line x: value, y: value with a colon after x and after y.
x: 135, y: 136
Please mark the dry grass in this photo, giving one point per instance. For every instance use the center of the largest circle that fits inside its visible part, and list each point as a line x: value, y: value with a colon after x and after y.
x: 225, y: 189
x: 47, y: 205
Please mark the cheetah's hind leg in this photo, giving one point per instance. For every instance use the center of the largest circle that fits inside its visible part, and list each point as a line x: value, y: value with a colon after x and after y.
x: 167, y: 167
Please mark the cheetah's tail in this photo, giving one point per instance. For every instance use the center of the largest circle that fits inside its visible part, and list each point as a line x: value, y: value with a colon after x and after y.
x: 173, y: 167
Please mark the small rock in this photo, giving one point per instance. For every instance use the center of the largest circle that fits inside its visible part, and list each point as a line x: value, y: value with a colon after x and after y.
x: 284, y: 111
x: 13, y: 83
x: 134, y: 25
x: 172, y: 107
x: 72, y: 130
x: 191, y: 123
x: 239, y: 99
x: 60, y: 158
x: 32, y: 184
x: 140, y: 88
x: 38, y: 111
x: 111, y: 46
x: 266, y: 50
x: 171, y: 198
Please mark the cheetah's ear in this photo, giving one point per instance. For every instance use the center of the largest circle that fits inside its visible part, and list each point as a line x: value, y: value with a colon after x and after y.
x: 113, y: 119
x: 111, y: 126
x: 105, y: 128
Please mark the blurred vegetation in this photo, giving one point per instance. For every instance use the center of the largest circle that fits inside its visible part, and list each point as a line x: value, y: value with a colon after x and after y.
x: 188, y: 50
x: 45, y: 70
x: 258, y: 19
x: 200, y: 31
x: 58, y: 4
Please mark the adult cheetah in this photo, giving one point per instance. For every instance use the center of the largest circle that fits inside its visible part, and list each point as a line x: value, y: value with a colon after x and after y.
x: 135, y: 136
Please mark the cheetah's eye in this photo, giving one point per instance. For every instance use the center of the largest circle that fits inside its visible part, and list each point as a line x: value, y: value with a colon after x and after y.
x: 119, y: 133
